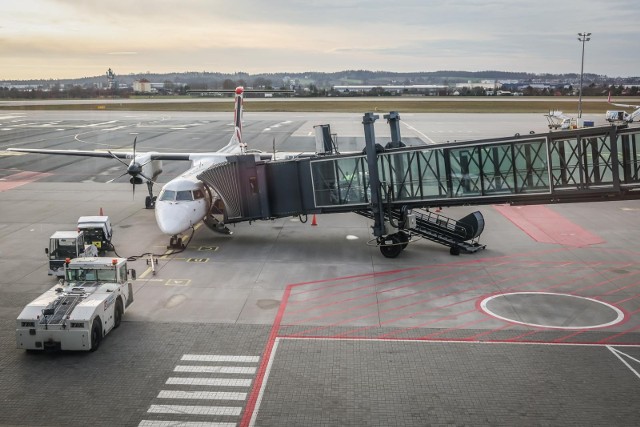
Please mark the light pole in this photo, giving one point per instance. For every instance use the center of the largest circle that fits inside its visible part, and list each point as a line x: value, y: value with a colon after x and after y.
x: 583, y: 37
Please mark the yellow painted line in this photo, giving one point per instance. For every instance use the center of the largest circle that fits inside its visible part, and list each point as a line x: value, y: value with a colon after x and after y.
x: 146, y: 272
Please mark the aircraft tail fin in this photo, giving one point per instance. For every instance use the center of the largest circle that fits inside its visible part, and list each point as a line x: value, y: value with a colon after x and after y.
x: 237, y: 119
x: 236, y: 144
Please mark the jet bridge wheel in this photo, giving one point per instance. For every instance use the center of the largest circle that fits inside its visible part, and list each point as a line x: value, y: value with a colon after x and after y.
x: 393, y: 244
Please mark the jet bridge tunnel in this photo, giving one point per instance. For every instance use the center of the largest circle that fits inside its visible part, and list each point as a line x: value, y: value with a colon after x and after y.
x: 389, y: 184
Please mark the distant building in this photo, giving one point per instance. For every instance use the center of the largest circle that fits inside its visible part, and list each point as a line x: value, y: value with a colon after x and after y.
x: 425, y: 89
x: 142, y: 86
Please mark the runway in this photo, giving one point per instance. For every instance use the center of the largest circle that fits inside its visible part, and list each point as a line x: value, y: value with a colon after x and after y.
x: 284, y: 323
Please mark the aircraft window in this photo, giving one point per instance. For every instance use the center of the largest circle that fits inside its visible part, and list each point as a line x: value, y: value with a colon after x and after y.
x: 168, y: 195
x: 198, y: 194
x: 184, y: 195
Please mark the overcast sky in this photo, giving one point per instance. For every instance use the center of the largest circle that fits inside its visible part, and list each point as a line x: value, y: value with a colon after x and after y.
x: 78, y: 38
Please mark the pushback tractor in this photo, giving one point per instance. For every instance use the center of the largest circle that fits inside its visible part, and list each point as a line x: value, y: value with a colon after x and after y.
x: 79, y: 311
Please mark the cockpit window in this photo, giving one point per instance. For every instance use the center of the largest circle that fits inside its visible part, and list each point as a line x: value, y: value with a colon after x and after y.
x: 198, y: 194
x: 184, y: 195
x: 168, y: 195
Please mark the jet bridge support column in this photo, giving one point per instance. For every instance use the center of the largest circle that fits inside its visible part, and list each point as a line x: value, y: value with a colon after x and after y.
x: 393, y: 118
x: 379, y: 228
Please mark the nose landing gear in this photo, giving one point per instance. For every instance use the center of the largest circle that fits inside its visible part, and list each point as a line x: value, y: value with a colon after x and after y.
x: 176, y: 243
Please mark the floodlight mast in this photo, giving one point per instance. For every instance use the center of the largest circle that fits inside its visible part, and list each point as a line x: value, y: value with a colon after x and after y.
x: 582, y: 37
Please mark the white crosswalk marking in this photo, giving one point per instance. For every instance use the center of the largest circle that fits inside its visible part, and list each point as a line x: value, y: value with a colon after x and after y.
x: 220, y: 382
x: 220, y: 358
x: 201, y: 395
x: 195, y: 410
x: 147, y: 423
x: 216, y: 369
x: 200, y: 387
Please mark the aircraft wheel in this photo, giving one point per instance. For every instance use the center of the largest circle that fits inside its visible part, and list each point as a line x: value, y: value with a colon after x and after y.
x: 391, y: 250
x: 150, y: 202
x: 96, y: 334
x: 117, y: 314
x: 455, y: 250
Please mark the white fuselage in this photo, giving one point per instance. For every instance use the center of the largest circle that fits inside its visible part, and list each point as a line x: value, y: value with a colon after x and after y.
x: 184, y: 201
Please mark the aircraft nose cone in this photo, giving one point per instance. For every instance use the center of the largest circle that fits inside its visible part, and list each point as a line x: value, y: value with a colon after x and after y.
x: 170, y: 221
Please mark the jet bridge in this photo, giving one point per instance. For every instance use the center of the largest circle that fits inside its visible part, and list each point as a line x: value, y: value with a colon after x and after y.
x: 390, y: 184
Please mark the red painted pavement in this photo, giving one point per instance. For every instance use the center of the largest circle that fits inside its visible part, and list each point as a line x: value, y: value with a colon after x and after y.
x: 546, y: 226
x: 20, y: 178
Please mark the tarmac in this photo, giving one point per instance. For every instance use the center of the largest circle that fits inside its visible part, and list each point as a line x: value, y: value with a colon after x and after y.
x: 286, y: 323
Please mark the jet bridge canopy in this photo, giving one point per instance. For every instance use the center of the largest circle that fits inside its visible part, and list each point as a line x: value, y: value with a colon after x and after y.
x: 589, y: 164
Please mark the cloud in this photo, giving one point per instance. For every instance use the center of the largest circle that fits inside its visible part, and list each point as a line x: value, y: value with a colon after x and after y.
x: 329, y: 35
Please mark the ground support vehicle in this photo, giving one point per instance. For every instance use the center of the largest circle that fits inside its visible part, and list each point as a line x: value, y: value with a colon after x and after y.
x: 79, y: 311
x: 65, y: 245
x: 97, y: 232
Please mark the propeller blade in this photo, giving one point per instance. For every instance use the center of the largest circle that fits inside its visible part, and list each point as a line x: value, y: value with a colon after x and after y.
x: 134, y: 192
x: 111, y: 180
x: 146, y: 177
x: 117, y: 158
x: 134, y: 147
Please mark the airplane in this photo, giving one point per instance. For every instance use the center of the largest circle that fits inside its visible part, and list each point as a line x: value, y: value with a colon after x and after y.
x: 185, y: 200
x: 622, y: 116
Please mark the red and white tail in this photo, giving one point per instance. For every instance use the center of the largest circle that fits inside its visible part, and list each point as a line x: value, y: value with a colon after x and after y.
x: 236, y: 144
x: 237, y: 116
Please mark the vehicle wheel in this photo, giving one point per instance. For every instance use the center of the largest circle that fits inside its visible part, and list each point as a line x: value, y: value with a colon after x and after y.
x: 404, y: 238
x: 96, y: 334
x: 391, y: 250
x: 455, y: 250
x: 117, y: 314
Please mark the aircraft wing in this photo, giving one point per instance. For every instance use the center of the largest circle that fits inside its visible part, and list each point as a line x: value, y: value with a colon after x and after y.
x: 625, y: 105
x: 104, y: 153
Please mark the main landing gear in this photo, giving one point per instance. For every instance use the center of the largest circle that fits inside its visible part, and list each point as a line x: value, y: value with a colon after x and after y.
x: 150, y: 200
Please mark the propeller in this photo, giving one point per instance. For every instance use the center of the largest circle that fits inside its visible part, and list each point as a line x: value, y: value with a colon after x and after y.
x: 134, y: 169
